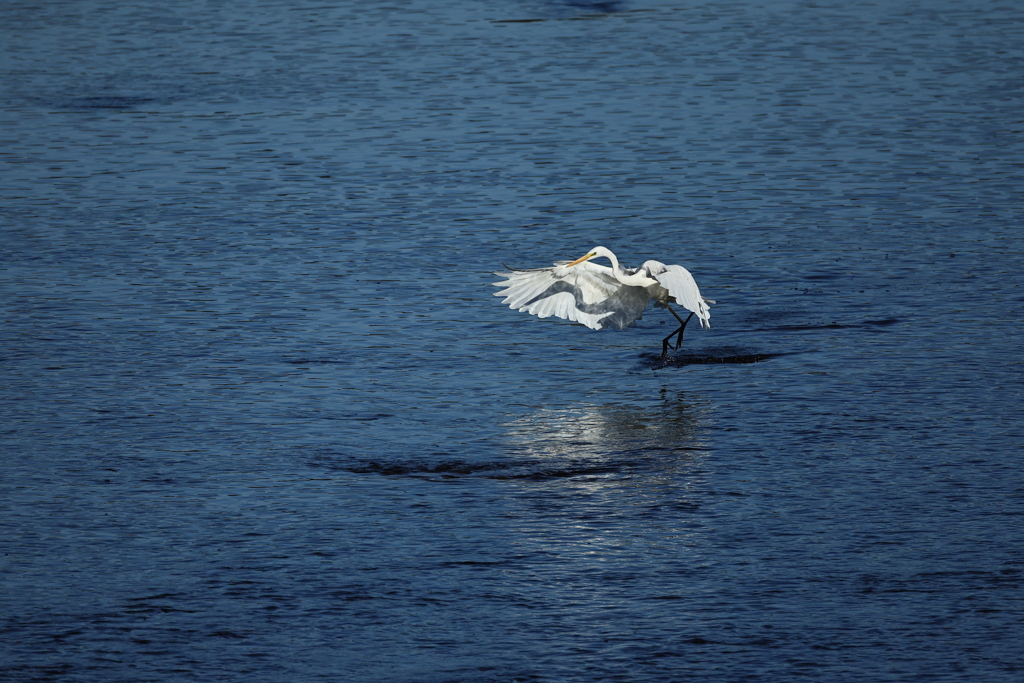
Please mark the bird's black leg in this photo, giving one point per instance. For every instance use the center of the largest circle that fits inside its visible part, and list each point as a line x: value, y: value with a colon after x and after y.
x: 679, y: 342
x: 682, y: 326
x: 664, y: 344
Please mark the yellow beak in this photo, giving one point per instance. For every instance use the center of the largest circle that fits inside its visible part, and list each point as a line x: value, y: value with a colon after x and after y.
x: 581, y: 259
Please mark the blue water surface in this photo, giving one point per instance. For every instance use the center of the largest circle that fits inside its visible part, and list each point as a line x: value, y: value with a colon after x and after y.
x: 263, y: 420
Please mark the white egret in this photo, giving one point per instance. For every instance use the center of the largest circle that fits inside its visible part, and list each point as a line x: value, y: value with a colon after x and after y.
x: 601, y: 297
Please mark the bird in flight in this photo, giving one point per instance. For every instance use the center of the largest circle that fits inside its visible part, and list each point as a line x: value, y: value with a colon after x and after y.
x: 601, y: 297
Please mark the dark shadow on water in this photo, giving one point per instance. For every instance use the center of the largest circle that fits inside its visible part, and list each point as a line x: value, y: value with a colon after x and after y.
x: 117, y: 102
x: 595, y: 7
x: 568, y: 9
x: 800, y: 328
x: 458, y: 469
x: 884, y: 322
x: 708, y: 356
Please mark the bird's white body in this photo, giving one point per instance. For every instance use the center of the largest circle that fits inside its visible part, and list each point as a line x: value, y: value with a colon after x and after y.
x: 601, y: 297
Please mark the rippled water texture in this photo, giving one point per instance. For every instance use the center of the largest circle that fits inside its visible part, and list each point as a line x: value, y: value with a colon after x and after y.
x: 263, y: 419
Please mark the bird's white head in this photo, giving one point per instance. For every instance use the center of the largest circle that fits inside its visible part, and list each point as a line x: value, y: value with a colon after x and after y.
x: 596, y: 251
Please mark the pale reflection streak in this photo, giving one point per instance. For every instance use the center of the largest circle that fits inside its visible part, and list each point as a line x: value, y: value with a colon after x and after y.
x: 611, y: 431
x: 633, y: 482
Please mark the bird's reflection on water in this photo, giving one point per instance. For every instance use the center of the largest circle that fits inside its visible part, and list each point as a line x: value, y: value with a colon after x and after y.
x: 595, y: 432
x: 581, y: 440
x: 639, y: 480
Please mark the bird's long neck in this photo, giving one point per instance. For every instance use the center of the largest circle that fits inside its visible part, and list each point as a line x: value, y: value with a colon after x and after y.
x: 616, y: 268
x: 634, y: 280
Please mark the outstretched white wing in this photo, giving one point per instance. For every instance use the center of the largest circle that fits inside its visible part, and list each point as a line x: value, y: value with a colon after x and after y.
x: 682, y: 287
x: 586, y: 293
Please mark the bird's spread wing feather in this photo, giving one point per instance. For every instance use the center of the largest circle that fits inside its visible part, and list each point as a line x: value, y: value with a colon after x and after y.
x: 682, y: 287
x: 586, y: 293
